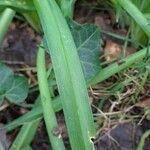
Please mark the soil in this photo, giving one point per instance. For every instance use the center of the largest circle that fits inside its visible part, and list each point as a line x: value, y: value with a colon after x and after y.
x: 19, y: 51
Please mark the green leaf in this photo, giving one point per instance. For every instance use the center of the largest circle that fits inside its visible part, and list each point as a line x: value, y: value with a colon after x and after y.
x: 5, y: 73
x: 12, y: 87
x: 18, y: 90
x: 6, y: 79
x: 87, y: 40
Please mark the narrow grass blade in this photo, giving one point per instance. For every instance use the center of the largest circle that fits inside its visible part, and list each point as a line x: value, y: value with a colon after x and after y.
x: 27, y: 132
x: 33, y: 20
x: 69, y: 75
x: 136, y: 14
x: 5, y: 20
x: 48, y: 112
x: 26, y: 135
x: 121, y: 37
x: 1, y: 147
x: 118, y: 66
x: 67, y: 7
x: 34, y: 114
x: 141, y: 143
x: 16, y: 5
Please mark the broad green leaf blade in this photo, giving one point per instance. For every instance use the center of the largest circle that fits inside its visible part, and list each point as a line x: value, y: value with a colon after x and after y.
x: 5, y: 73
x: 69, y: 75
x: 12, y: 87
x: 4, y: 87
x: 87, y: 40
x: 18, y: 90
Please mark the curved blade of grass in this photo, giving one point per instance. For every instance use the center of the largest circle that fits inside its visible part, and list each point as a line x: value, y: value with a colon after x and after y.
x: 67, y: 7
x: 25, y: 136
x: 17, y: 5
x: 141, y: 143
x: 48, y: 112
x: 27, y: 132
x: 34, y: 114
x: 1, y: 147
x: 33, y: 19
x: 117, y: 67
x: 136, y: 14
x: 121, y: 37
x: 5, y: 20
x: 70, y: 79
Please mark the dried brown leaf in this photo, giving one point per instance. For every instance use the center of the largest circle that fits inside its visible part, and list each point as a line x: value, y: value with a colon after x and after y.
x: 144, y: 103
x: 112, y: 50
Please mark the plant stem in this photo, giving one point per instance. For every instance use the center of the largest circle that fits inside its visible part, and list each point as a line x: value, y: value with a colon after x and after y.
x: 48, y: 112
x: 5, y: 21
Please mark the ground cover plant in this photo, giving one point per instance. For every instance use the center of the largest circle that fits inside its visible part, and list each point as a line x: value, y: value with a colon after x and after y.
x: 96, y: 79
